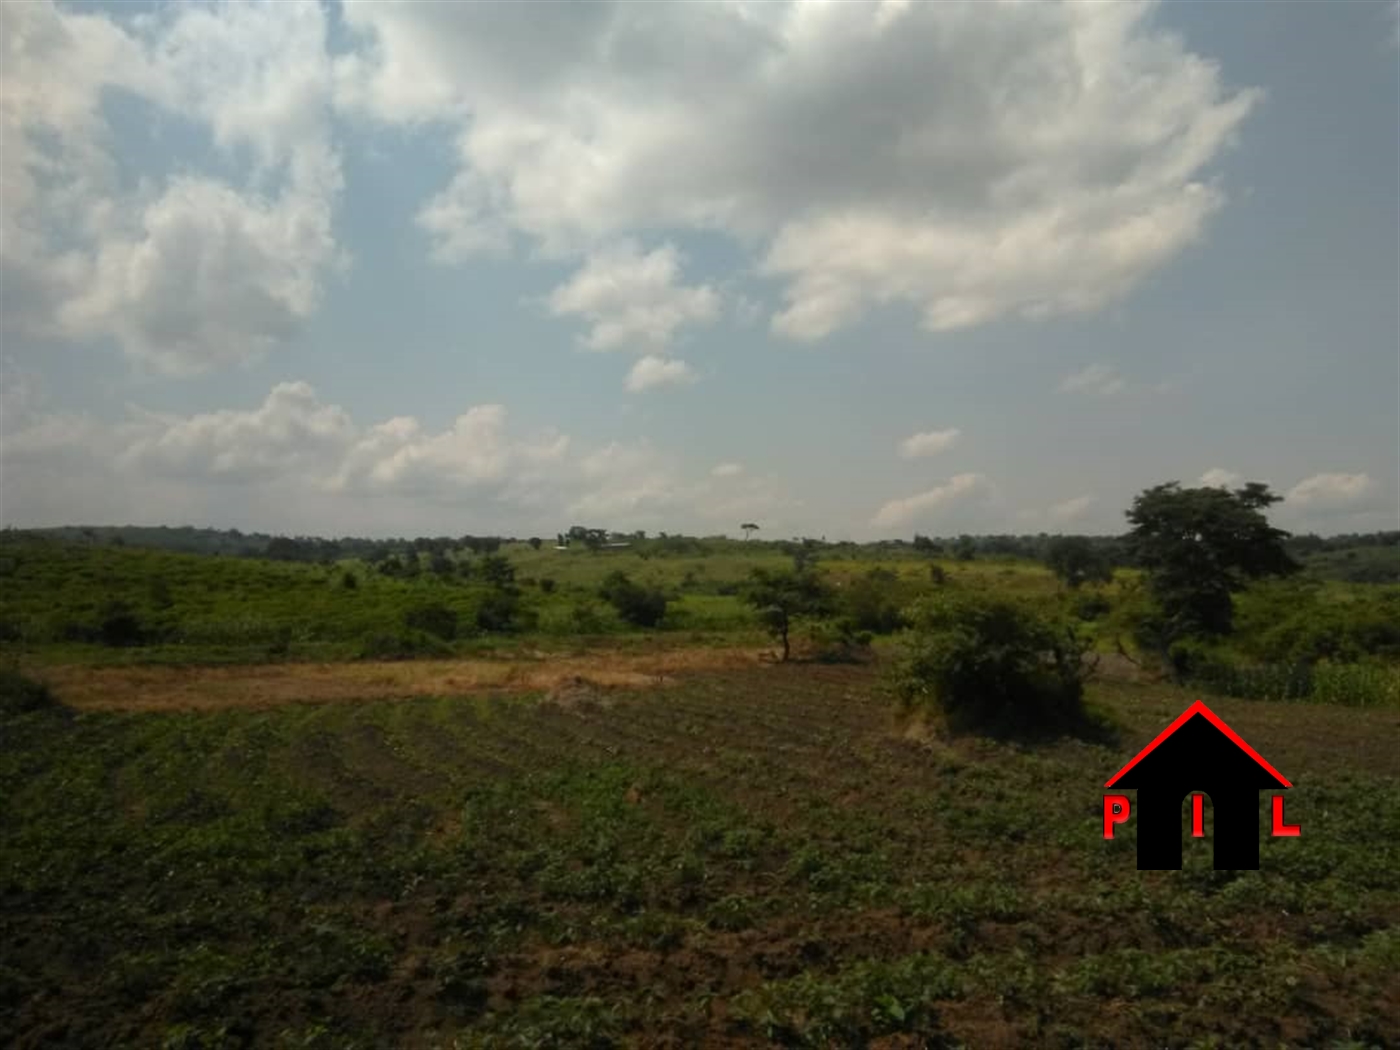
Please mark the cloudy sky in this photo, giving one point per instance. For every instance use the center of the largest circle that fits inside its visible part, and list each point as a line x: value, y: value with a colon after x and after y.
x: 840, y: 269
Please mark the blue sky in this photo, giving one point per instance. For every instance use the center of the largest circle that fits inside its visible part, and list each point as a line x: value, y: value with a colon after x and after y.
x: 841, y: 269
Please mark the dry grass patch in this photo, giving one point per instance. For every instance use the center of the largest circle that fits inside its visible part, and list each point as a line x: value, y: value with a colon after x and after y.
x: 270, y: 685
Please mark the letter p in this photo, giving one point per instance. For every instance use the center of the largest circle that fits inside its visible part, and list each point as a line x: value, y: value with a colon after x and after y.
x: 1115, y: 811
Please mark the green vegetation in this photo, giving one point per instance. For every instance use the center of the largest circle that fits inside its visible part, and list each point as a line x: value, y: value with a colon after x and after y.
x: 992, y: 665
x: 638, y: 605
x: 738, y: 853
x: 688, y: 864
x: 1198, y: 547
x: 783, y: 597
x: 1076, y: 560
x: 20, y: 694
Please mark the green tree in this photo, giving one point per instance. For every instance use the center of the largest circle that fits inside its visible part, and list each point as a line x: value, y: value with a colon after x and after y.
x: 1077, y: 561
x: 496, y: 570
x: 535, y: 543
x: 784, y: 596
x: 1199, y: 546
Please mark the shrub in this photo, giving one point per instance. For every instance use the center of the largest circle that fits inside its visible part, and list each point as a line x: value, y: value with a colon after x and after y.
x: 840, y: 642
x: 437, y: 620
x: 496, y: 570
x: 1092, y: 606
x: 587, y: 618
x: 547, y: 585
x: 639, y: 605
x: 160, y: 594
x: 349, y: 582
x: 20, y: 694
x: 988, y: 663
x: 500, y: 612
x: 873, y: 604
x: 402, y: 646
x: 120, y: 626
x: 281, y: 643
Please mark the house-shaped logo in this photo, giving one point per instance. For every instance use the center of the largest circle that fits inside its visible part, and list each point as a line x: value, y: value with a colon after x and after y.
x: 1197, y: 753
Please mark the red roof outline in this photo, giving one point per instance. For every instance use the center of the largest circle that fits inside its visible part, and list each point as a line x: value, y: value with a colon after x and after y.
x: 1199, y: 708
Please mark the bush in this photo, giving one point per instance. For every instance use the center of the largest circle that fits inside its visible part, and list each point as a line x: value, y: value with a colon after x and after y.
x: 991, y: 664
x: 120, y: 626
x: 405, y: 645
x: 587, y: 618
x: 496, y: 570
x: 500, y: 612
x: 840, y: 642
x: 547, y: 585
x: 1090, y: 607
x: 20, y: 694
x: 437, y: 620
x: 873, y: 604
x: 639, y: 605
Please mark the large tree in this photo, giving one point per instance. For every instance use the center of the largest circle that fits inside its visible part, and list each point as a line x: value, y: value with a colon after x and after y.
x: 1198, y: 546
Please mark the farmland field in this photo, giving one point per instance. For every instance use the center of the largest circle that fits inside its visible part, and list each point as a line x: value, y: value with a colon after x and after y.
x: 740, y: 854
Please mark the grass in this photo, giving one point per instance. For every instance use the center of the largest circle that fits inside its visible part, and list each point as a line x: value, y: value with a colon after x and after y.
x: 752, y: 854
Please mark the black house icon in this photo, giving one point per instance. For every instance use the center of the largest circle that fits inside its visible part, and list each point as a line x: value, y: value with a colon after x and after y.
x: 1198, y: 752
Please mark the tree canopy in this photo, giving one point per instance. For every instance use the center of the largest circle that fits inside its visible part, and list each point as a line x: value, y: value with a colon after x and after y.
x: 1199, y: 545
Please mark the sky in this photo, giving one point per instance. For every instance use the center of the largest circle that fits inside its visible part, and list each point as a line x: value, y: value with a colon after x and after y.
x: 854, y: 270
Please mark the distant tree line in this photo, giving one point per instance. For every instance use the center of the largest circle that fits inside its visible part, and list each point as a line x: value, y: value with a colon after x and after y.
x: 1360, y: 557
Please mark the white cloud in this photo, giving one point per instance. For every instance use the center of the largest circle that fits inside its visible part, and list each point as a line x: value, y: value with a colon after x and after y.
x: 206, y: 277
x: 1220, y: 478
x: 959, y: 488
x: 185, y: 271
x: 652, y: 372
x: 295, y: 446
x: 1099, y: 379
x: 974, y: 161
x: 30, y: 432
x: 929, y: 443
x: 625, y: 481
x: 401, y: 455
x: 1070, y: 509
x: 633, y: 301
x: 1323, y: 492
x: 291, y: 431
